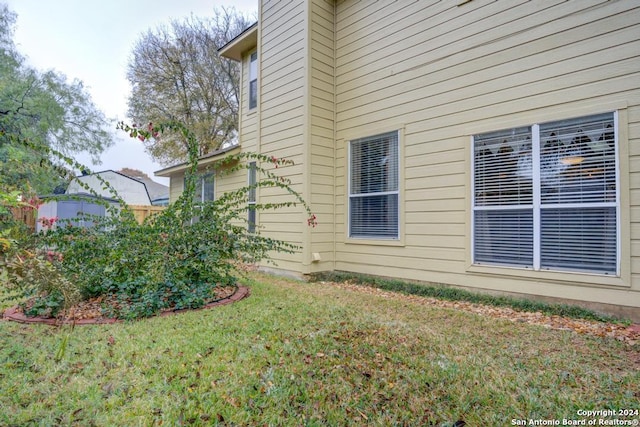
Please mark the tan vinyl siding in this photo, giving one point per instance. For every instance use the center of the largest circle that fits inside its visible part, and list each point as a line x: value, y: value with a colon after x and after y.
x: 248, y: 132
x: 322, y: 128
x: 226, y: 182
x: 476, y: 68
x: 282, y: 120
x: 176, y: 185
x: 634, y: 167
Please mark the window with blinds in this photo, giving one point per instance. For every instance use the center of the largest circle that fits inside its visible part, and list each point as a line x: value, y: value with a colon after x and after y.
x: 546, y: 196
x: 204, y: 188
x: 374, y: 187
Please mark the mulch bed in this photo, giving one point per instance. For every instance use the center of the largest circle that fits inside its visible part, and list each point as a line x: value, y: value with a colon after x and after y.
x: 628, y: 334
x: 90, y: 312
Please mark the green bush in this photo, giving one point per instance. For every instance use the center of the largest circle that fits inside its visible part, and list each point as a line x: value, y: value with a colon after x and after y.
x: 28, y: 270
x: 175, y: 259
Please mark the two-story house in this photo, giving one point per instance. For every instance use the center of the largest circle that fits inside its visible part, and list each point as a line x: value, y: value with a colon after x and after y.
x: 489, y: 145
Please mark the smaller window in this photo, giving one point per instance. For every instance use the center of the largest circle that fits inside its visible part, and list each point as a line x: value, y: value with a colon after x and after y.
x: 253, y: 80
x: 374, y: 187
x: 204, y: 188
x: 251, y: 211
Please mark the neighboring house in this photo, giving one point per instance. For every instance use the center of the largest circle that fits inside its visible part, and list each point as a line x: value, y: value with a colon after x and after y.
x: 158, y: 193
x: 490, y: 145
x: 134, y: 191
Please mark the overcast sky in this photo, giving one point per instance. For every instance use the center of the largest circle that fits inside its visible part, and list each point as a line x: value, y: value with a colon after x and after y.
x: 91, y: 40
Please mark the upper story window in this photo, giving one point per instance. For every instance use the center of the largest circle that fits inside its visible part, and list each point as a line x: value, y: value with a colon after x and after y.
x: 374, y: 187
x: 546, y: 197
x: 253, y: 80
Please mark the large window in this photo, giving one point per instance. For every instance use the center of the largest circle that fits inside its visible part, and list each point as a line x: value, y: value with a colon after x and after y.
x: 546, y: 197
x: 374, y: 187
x: 253, y: 80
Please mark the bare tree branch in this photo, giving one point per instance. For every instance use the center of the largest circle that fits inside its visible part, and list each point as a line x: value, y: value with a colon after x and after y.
x: 176, y: 74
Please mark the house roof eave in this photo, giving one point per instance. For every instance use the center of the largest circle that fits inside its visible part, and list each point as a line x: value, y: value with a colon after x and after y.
x: 245, y: 41
x: 203, y: 161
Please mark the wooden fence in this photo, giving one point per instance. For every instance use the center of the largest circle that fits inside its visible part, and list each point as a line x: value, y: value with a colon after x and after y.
x: 27, y: 215
x: 142, y: 212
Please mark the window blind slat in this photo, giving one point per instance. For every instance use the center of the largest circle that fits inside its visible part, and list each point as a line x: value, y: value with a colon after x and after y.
x: 579, y: 239
x: 374, y: 216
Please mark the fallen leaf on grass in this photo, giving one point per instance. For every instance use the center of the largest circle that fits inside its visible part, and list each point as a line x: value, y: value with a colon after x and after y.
x: 630, y: 335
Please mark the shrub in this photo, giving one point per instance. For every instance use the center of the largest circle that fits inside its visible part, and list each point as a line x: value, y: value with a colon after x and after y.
x: 28, y: 270
x: 174, y: 259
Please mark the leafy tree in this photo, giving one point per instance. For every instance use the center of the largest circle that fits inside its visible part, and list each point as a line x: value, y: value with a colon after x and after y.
x: 41, y: 108
x: 133, y: 173
x: 177, y: 74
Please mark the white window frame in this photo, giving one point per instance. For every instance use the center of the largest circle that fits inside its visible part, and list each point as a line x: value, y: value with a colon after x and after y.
x: 537, y: 206
x: 253, y: 77
x: 396, y: 192
x: 200, y: 182
x: 199, y: 198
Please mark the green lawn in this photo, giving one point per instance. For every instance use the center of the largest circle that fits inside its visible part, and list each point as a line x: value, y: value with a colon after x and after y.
x: 310, y: 354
